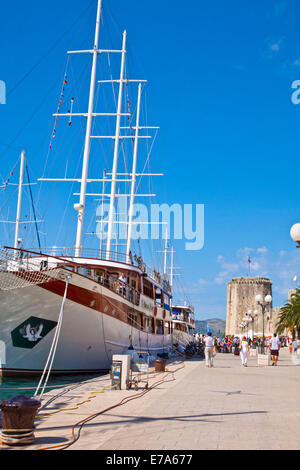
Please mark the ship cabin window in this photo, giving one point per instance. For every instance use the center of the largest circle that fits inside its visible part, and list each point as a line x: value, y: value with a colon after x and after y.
x: 132, y: 318
x: 84, y: 271
x: 180, y: 327
x: 148, y: 289
x: 99, y: 276
x: 102, y: 277
x: 112, y: 278
x: 133, y: 283
x: 186, y: 316
x: 140, y: 321
x: 149, y: 324
x: 158, y: 297
x: 113, y: 275
x: 159, y: 327
x: 69, y: 268
x: 166, y: 300
x: 176, y: 313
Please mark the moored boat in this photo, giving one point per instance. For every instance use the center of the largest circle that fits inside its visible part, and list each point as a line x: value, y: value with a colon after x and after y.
x: 183, y: 319
x: 101, y: 302
x: 103, y: 314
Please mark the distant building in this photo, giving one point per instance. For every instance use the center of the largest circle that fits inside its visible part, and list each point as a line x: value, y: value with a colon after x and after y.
x: 275, y: 313
x: 241, y: 292
x: 290, y: 293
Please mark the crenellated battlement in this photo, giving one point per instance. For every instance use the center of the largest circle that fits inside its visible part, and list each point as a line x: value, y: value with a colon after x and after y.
x: 250, y: 280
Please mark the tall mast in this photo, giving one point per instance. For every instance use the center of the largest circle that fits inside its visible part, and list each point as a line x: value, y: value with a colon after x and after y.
x: 116, y: 153
x: 165, y: 253
x: 172, y: 276
x: 133, y: 175
x: 172, y: 267
x: 102, y: 213
x: 87, y: 146
x: 19, y: 199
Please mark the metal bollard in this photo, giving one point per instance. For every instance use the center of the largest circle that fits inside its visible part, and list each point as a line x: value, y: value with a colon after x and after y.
x: 18, y: 415
x: 160, y: 365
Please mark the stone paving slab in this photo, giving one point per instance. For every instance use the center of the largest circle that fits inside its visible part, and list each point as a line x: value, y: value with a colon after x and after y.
x: 190, y: 407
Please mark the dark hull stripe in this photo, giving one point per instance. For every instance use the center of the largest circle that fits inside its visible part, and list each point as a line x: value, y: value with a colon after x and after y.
x: 37, y: 372
x: 89, y: 299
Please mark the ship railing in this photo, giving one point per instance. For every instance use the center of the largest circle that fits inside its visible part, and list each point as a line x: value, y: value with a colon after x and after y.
x: 149, y: 330
x: 17, y: 272
x: 180, y: 317
x: 90, y: 253
x: 93, y: 253
x: 119, y: 287
x: 35, y: 270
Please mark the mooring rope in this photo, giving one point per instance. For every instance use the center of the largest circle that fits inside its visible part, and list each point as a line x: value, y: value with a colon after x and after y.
x: 53, y: 346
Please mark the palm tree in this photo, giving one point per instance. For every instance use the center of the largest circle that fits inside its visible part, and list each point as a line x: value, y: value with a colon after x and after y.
x: 289, y: 315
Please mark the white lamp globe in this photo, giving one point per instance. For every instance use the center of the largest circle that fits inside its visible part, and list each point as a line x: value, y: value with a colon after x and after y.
x: 295, y: 233
x: 268, y: 298
x: 258, y: 298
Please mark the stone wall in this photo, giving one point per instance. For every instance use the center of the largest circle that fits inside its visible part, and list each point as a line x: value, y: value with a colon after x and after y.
x: 241, y: 294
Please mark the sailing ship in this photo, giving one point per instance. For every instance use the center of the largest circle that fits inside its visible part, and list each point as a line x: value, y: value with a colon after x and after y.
x: 101, y: 302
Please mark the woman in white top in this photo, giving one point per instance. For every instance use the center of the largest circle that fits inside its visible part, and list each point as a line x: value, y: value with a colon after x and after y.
x: 244, y: 349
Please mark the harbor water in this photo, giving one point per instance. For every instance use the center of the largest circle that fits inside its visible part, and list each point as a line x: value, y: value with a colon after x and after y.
x: 10, y: 386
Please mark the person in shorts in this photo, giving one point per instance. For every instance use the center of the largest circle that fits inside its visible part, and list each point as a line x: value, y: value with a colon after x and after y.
x: 209, y: 350
x: 274, y: 346
x: 295, y: 346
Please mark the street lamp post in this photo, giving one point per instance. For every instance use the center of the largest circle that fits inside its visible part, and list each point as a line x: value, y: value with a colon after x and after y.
x: 263, y: 303
x: 295, y: 235
x: 252, y: 315
x: 246, y: 321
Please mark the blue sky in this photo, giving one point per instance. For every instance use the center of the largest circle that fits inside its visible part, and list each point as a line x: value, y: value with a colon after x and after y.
x: 220, y: 76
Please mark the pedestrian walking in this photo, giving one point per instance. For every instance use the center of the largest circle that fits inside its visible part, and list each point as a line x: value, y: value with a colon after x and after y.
x: 244, y: 350
x: 274, y: 347
x: 295, y: 346
x: 209, y: 350
x: 237, y: 347
x: 215, y: 346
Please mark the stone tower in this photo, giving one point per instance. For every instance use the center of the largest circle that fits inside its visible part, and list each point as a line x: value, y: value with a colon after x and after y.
x: 241, y: 292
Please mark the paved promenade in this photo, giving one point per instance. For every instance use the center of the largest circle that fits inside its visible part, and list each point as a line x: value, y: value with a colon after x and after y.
x: 189, y: 407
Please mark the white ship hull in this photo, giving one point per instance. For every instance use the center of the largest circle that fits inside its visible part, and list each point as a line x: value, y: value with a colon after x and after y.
x: 91, y: 331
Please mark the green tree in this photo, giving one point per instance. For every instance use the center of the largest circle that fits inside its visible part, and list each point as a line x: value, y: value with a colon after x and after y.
x: 289, y: 315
